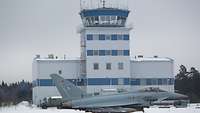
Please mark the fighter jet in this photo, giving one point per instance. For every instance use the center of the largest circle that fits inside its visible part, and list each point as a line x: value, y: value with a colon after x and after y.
x: 126, y: 102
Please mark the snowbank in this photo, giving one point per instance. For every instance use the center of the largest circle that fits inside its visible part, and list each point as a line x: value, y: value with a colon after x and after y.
x: 24, y: 107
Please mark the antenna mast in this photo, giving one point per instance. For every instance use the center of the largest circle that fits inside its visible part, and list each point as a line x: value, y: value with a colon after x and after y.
x: 103, y: 3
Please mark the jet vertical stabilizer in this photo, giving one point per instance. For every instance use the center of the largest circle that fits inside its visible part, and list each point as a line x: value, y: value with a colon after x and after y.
x: 67, y: 90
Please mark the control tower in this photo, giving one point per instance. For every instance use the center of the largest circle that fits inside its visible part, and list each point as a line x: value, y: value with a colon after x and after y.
x: 105, y: 46
x: 105, y: 63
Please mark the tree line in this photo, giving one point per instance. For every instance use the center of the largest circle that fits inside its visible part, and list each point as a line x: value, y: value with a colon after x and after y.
x: 14, y: 93
x: 186, y: 82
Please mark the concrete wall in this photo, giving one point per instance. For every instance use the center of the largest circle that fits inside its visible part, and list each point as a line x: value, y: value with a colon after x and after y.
x: 152, y: 68
x: 45, y: 67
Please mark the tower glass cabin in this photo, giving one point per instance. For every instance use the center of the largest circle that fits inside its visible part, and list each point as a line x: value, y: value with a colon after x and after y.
x: 105, y: 48
x: 104, y: 17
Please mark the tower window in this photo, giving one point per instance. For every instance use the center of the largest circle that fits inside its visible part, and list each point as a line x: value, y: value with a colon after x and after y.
x: 113, y: 37
x: 95, y: 37
x: 113, y: 20
x: 120, y: 66
x: 102, y: 53
x: 126, y: 37
x: 96, y: 52
x: 107, y: 52
x: 108, y: 37
x: 114, y: 53
x: 107, y: 19
x: 96, y: 66
x: 102, y: 37
x: 108, y: 66
x: 89, y: 52
x: 120, y: 52
x: 126, y: 53
x: 103, y: 18
x: 89, y: 37
x: 119, y: 37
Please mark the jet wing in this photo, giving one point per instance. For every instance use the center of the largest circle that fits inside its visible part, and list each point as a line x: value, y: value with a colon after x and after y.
x: 160, y: 99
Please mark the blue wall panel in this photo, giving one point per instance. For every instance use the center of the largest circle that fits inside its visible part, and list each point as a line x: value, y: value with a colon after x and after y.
x: 108, y: 81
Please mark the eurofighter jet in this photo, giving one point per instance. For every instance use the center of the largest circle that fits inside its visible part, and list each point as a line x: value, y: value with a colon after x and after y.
x: 126, y: 102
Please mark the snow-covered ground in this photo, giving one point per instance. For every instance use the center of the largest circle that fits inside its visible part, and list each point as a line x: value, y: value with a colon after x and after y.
x: 25, y: 108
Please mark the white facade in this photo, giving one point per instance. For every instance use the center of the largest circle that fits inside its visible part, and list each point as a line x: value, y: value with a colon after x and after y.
x: 140, y: 68
x: 155, y: 70
x: 152, y: 68
x: 42, y: 68
x: 102, y: 60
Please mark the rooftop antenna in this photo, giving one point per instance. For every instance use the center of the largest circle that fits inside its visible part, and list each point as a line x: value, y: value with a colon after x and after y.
x: 104, y: 3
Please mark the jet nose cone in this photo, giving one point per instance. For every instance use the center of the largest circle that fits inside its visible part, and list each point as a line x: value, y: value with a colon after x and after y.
x: 179, y: 96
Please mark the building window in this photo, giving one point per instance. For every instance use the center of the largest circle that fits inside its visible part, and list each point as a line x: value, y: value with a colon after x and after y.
x: 171, y: 81
x: 108, y: 66
x: 126, y: 81
x: 89, y: 52
x: 154, y: 81
x: 126, y: 37
x: 96, y: 18
x: 120, y: 53
x: 108, y: 37
x: 107, y: 19
x: 120, y: 66
x: 135, y: 82
x: 159, y: 81
x: 113, y: 20
x: 103, y: 18
x: 119, y: 37
x: 107, y: 52
x: 96, y: 52
x: 89, y: 37
x: 120, y: 81
x: 96, y: 66
x: 95, y: 37
x: 114, y: 53
x: 113, y: 37
x: 102, y: 37
x: 164, y: 82
x: 126, y: 52
x: 102, y: 53
x: 148, y: 82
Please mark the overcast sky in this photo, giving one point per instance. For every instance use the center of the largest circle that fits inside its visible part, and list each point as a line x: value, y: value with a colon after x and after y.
x: 167, y: 28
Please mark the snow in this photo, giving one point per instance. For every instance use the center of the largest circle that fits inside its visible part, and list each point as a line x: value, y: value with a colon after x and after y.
x: 151, y: 59
x: 24, y: 107
x: 59, y: 59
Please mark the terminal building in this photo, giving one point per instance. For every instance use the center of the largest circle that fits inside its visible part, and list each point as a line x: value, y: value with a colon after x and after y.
x: 105, y: 63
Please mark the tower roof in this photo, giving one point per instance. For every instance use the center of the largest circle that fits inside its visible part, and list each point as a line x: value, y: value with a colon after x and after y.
x: 104, y: 17
x: 104, y: 12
